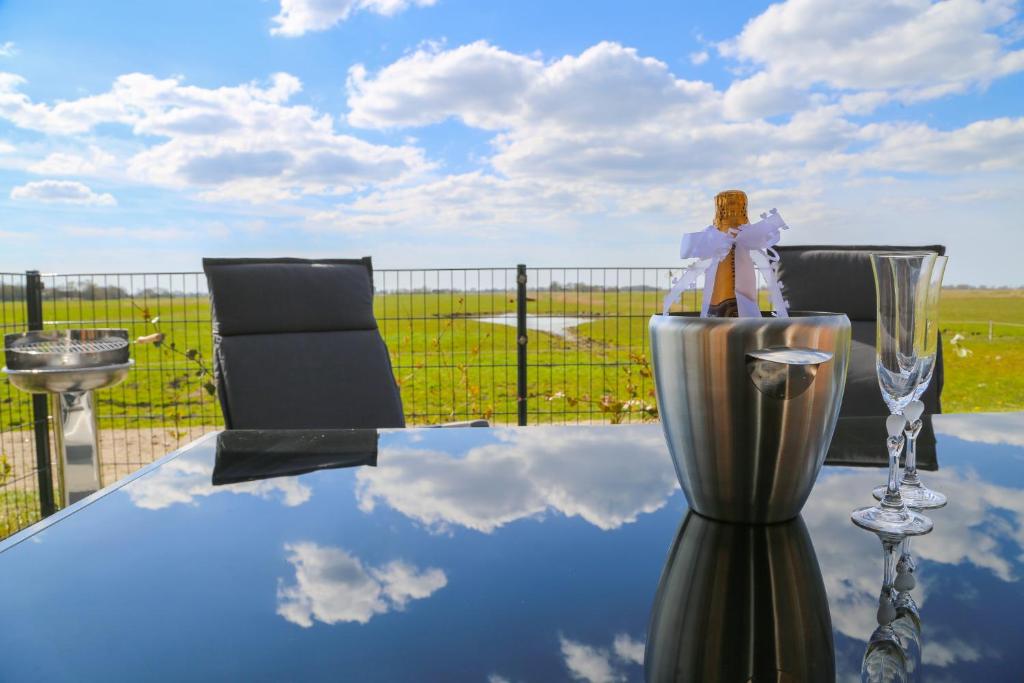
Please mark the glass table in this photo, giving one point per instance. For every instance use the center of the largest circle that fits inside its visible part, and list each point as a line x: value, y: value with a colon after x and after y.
x: 506, y: 554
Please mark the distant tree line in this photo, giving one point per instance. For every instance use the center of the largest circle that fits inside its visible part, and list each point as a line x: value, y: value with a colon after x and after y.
x: 89, y: 291
x: 557, y: 286
x: 1000, y: 287
x: 9, y: 292
x: 553, y: 287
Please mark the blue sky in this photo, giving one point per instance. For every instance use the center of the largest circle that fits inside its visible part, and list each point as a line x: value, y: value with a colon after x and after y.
x: 432, y: 133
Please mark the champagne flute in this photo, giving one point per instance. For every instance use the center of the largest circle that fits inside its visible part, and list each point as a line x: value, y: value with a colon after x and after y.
x: 915, y: 494
x: 901, y: 287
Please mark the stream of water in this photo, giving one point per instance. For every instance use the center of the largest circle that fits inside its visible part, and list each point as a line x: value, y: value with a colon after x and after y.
x: 552, y: 324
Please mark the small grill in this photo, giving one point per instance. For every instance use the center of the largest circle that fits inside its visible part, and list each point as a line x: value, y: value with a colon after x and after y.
x: 69, y: 365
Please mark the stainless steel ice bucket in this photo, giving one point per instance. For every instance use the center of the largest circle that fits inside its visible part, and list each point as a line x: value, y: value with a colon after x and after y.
x: 748, y: 406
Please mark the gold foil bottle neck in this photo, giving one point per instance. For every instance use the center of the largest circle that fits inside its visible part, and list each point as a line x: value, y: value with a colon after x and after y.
x: 730, y: 209
x: 730, y: 212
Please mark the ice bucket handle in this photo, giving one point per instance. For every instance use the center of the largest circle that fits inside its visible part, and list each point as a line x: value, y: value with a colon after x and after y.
x: 784, y: 372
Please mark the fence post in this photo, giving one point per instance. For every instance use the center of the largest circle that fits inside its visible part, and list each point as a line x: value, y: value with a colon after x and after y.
x: 40, y: 404
x: 521, y: 340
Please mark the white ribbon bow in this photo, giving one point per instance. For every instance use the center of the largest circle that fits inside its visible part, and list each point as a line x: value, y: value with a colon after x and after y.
x: 753, y: 243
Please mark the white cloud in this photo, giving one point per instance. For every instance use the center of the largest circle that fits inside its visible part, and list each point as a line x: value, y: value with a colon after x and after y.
x: 606, y: 121
x: 238, y: 143
x: 595, y: 664
x: 74, y: 116
x: 698, y: 58
x: 915, y: 49
x: 7, y: 148
x: 479, y: 83
x: 762, y: 95
x: 992, y: 145
x: 332, y: 586
x: 588, y: 664
x: 477, y: 202
x: 607, y: 85
x: 609, y: 133
x: 662, y: 155
x: 298, y: 17
x: 61, y: 192
x: 182, y: 481
x: 627, y: 649
x: 402, y: 582
x: 993, y: 428
x: 943, y: 654
x: 617, y: 133
x: 579, y: 472
x: 63, y: 163
x: 8, y: 49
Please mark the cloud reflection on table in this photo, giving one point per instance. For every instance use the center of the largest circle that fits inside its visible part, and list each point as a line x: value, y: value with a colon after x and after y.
x: 516, y: 555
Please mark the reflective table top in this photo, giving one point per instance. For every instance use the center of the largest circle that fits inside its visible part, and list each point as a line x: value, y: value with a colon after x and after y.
x: 513, y: 554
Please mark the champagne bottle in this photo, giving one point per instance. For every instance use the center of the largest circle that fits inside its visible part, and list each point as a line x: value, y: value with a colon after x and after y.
x: 730, y: 213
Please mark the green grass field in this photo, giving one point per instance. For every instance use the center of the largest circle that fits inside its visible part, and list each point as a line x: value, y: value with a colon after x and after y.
x: 450, y: 365
x: 985, y: 375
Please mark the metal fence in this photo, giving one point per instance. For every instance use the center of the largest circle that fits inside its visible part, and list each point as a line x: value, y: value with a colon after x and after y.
x: 514, y: 345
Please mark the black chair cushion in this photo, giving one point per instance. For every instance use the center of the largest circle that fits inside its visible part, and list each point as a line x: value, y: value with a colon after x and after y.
x: 307, y: 380
x: 856, y: 441
x: 833, y: 278
x: 863, y: 397
x: 263, y: 296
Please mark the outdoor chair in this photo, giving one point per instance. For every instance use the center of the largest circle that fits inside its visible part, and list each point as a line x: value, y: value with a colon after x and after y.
x: 839, y: 279
x: 296, y: 345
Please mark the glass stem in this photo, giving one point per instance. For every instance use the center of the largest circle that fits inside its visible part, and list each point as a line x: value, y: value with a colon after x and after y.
x: 910, y: 467
x: 892, y: 497
x: 905, y: 552
x: 889, y: 563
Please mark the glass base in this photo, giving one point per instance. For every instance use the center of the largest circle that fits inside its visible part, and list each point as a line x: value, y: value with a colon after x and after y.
x: 915, y: 497
x: 898, y: 522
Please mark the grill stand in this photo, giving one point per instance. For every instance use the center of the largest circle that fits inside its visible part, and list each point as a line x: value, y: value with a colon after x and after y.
x: 69, y: 365
x: 76, y: 435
